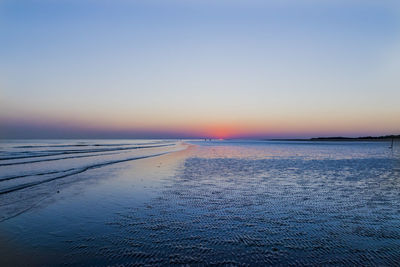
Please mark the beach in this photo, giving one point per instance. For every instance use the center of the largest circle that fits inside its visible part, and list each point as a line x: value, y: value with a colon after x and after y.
x: 159, y: 202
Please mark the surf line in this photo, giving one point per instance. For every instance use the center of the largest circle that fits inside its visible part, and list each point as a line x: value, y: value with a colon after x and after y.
x: 81, y: 170
x: 72, y: 157
x: 65, y: 152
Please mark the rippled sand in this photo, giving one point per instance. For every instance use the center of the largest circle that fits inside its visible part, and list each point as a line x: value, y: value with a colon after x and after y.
x: 209, y: 203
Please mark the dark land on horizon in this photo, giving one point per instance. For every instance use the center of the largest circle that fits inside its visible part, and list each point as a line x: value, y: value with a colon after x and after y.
x: 341, y: 138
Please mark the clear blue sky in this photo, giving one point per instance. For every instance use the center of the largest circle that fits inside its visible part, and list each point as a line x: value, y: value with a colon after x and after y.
x: 192, y: 68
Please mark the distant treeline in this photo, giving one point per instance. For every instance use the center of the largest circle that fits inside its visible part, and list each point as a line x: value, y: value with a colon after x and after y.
x: 341, y: 138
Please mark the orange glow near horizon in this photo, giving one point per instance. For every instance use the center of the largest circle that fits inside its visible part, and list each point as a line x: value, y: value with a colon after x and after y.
x: 221, y: 132
x: 215, y: 127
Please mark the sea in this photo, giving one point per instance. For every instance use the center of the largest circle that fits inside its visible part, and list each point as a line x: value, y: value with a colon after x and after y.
x: 199, y: 203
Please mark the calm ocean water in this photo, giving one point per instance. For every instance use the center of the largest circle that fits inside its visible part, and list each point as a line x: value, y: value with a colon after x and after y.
x: 158, y: 202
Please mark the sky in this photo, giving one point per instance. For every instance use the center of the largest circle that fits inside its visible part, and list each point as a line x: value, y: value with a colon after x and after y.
x: 199, y: 68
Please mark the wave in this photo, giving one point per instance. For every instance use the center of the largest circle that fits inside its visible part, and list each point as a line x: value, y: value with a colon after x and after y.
x: 47, y: 153
x: 31, y: 174
x: 88, y: 145
x: 70, y: 172
x: 44, y: 160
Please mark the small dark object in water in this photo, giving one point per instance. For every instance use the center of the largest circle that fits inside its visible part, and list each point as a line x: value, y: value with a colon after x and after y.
x: 58, y: 191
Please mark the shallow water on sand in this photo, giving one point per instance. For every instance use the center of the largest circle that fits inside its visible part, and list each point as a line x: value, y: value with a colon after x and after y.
x: 222, y: 202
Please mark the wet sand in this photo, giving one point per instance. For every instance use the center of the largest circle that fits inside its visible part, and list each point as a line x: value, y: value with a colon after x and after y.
x: 220, y: 204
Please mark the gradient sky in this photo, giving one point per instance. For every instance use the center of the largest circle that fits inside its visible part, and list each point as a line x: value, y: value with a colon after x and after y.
x: 194, y: 68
